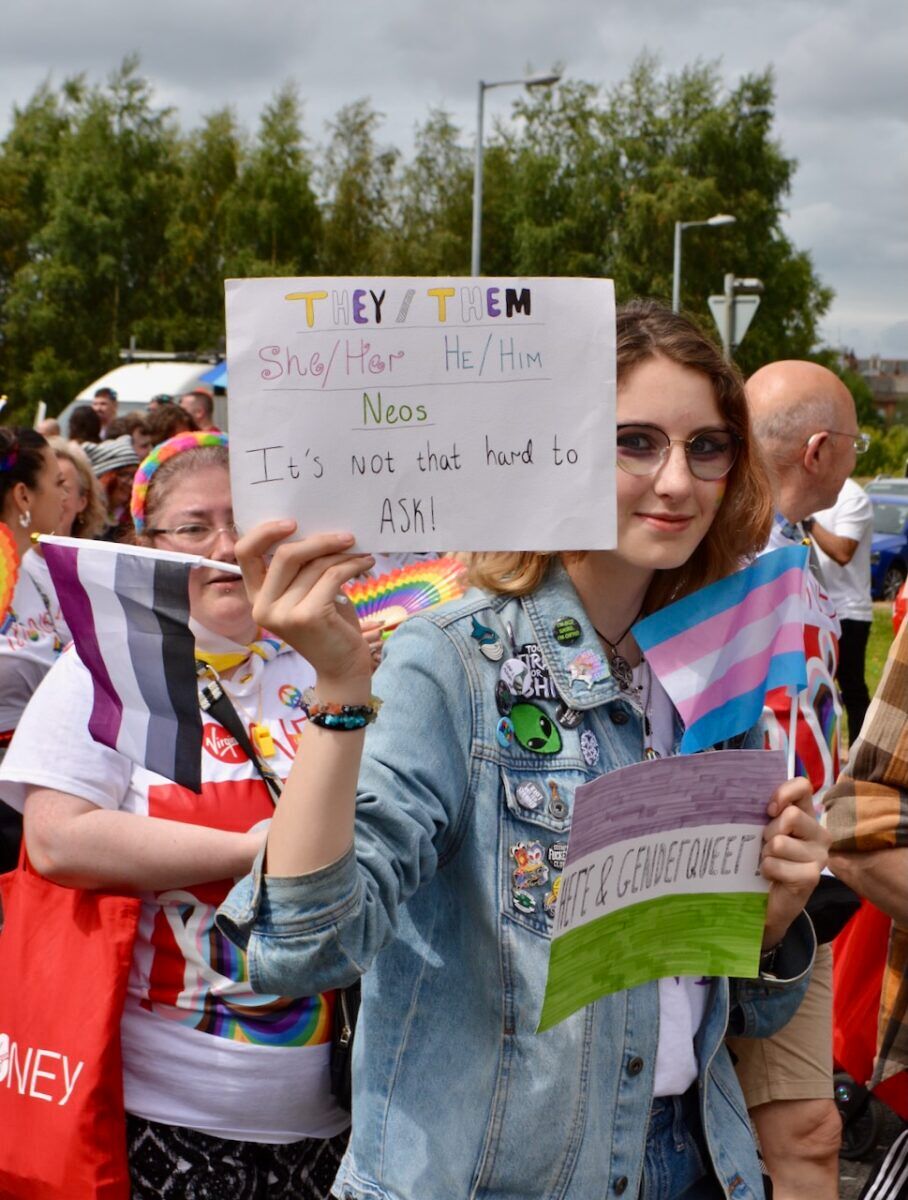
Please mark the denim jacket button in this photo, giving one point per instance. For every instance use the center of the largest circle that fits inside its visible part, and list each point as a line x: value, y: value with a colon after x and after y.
x: 635, y: 1065
x: 620, y: 1185
x: 618, y: 716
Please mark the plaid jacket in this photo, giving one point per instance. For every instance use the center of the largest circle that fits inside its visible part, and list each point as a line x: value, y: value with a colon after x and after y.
x: 867, y: 810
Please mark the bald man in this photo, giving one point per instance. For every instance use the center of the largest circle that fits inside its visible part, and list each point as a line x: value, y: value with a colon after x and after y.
x: 804, y: 420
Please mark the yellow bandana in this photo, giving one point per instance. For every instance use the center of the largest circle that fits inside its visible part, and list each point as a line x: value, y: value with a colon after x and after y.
x: 265, y: 646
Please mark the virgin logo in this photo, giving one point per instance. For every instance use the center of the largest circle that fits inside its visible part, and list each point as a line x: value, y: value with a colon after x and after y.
x: 221, y: 745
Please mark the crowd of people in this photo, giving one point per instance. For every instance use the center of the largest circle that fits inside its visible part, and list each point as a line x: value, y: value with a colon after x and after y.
x: 390, y: 856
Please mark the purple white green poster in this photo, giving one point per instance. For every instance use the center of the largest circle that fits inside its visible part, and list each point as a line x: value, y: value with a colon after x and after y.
x: 662, y: 876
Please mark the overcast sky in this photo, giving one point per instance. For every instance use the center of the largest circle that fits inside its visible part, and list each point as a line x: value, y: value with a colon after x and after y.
x: 842, y: 102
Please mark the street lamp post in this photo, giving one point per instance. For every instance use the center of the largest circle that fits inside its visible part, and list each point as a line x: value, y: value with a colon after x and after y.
x: 680, y: 226
x: 528, y: 81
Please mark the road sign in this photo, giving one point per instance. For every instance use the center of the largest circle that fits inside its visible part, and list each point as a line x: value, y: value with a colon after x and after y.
x: 744, y: 308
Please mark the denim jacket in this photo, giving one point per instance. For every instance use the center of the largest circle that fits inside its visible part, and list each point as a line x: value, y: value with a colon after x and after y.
x: 455, y: 1094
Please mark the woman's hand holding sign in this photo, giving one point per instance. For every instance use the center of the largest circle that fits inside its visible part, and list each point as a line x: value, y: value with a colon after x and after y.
x: 297, y: 595
x: 795, y: 850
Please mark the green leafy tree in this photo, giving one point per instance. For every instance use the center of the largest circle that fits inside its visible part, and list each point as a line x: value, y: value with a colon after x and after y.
x: 593, y: 184
x: 888, y: 453
x: 358, y: 185
x: 95, y: 266
x: 115, y: 224
x: 433, y: 210
x: 196, y: 246
x: 272, y: 224
x: 27, y: 155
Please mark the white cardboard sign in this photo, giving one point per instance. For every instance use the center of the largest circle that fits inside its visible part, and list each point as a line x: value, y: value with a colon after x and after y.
x: 426, y: 414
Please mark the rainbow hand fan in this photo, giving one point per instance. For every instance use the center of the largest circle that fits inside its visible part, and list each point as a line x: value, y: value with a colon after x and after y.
x: 417, y: 586
x: 9, y: 569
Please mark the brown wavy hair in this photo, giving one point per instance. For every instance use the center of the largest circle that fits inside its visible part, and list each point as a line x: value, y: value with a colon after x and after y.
x: 647, y: 329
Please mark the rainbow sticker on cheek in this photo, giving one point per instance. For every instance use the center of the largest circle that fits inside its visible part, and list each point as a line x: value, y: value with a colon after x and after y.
x: 720, y: 493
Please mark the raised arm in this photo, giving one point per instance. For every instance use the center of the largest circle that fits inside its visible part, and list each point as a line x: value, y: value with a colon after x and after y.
x: 296, y: 597
x: 321, y: 907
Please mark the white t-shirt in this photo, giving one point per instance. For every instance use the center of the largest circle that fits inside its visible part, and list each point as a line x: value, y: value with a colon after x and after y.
x: 29, y: 647
x: 849, y: 587
x: 682, y: 998
x: 200, y: 1048
x: 35, y: 565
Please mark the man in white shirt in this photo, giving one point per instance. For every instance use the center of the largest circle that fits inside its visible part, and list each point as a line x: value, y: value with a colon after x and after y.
x: 804, y: 420
x: 843, y: 535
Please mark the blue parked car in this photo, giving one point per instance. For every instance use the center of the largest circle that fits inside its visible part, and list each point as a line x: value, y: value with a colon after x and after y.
x: 889, y: 552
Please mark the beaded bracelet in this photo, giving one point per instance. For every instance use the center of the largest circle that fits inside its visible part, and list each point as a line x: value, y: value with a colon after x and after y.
x: 339, y: 716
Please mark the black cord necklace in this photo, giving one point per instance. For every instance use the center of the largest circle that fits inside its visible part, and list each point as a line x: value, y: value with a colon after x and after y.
x: 622, y: 671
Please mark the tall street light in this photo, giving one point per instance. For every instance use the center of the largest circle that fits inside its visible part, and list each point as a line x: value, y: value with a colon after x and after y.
x: 680, y: 226
x: 528, y: 81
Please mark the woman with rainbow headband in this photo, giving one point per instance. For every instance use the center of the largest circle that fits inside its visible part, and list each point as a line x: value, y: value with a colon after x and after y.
x: 227, y: 1093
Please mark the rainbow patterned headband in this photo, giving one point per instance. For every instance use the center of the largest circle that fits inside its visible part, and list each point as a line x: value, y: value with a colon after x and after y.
x: 159, y: 456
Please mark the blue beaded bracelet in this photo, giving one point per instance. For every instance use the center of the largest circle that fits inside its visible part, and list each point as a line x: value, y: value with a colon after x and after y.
x: 339, y: 720
x: 339, y: 716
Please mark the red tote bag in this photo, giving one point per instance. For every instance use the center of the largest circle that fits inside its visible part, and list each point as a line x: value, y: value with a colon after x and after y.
x: 64, y: 965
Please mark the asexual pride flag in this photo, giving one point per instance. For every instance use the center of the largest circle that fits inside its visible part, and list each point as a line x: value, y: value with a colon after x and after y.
x: 128, y: 610
x: 662, y: 876
x: 719, y: 651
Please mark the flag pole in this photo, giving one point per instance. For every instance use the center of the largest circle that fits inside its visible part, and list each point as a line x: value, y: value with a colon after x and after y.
x: 792, y: 731
x: 194, y: 560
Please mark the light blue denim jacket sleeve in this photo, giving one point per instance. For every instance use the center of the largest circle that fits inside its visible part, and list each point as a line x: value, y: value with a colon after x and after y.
x: 324, y: 930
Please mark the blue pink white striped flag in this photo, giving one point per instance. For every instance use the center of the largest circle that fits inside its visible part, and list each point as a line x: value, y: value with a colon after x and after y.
x: 128, y: 610
x: 719, y: 651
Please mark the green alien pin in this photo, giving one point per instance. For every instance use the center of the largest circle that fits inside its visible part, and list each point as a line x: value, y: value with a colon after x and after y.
x: 534, y: 729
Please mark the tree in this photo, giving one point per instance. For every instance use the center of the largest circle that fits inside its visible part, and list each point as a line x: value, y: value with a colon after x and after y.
x: 272, y: 224
x: 593, y: 184
x: 196, y: 243
x: 433, y: 205
x: 114, y: 224
x: 27, y: 155
x: 95, y: 266
x: 888, y: 453
x: 358, y: 186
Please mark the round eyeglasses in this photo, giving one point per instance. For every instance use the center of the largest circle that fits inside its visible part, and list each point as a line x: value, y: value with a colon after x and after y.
x: 644, y: 450
x: 196, y: 536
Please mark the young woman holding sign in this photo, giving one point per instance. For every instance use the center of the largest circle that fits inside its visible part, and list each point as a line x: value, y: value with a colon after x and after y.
x: 426, y: 858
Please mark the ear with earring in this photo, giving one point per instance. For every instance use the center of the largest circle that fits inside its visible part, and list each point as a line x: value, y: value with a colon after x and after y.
x: 25, y: 518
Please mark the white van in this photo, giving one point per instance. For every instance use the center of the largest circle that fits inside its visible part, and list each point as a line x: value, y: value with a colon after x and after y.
x: 135, y: 383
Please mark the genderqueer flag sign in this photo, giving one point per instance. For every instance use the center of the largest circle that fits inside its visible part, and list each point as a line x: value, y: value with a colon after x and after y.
x: 662, y: 876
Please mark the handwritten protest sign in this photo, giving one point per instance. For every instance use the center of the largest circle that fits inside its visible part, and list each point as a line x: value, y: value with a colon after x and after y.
x: 662, y: 876
x: 420, y: 414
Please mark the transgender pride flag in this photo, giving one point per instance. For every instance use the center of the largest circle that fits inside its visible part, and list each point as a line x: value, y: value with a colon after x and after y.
x: 719, y: 651
x: 128, y: 609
